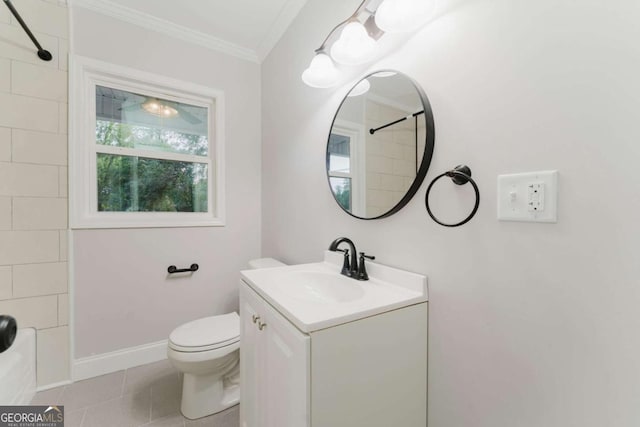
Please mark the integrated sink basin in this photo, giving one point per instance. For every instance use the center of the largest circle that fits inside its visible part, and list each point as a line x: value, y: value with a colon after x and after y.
x: 316, y: 296
x: 320, y: 286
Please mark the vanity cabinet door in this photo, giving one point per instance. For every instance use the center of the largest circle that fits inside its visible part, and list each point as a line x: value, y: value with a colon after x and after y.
x: 274, y: 367
x: 287, y: 351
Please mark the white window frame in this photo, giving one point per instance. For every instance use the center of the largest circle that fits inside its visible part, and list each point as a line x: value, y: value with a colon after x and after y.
x: 356, y: 134
x: 85, y: 75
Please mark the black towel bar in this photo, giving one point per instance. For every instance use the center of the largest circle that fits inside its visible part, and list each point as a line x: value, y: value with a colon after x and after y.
x: 173, y: 269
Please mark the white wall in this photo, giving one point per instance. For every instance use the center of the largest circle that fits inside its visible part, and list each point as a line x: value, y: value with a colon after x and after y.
x: 530, y: 324
x: 123, y: 297
x: 33, y: 181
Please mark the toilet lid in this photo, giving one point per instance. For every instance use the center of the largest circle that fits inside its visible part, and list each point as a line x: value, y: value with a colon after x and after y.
x: 207, y: 332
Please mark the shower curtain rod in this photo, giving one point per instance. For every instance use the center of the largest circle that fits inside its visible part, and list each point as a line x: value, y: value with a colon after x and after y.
x: 45, y: 55
x: 372, y: 130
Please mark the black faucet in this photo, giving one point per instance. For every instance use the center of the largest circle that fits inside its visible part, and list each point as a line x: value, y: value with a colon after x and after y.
x: 351, y: 268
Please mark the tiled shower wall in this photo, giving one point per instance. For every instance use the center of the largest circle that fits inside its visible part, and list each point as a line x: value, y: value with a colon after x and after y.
x: 391, y: 156
x: 33, y: 181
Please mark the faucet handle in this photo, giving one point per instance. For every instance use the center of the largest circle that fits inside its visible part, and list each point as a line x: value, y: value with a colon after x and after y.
x: 362, y: 270
x: 346, y: 265
x: 363, y: 255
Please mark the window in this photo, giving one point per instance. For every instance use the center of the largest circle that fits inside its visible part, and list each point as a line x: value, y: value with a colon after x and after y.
x: 339, y: 167
x: 146, y: 151
x: 345, y: 164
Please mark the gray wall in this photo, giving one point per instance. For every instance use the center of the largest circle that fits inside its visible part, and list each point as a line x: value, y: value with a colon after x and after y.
x: 530, y: 324
x: 123, y: 297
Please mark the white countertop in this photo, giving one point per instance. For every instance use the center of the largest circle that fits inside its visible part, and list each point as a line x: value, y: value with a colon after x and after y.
x: 387, y: 289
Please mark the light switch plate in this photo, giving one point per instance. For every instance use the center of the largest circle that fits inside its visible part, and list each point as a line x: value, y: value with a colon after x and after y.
x: 530, y: 197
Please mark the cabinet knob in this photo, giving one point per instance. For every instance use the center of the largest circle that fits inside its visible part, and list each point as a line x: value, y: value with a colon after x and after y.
x: 255, y: 318
x: 261, y: 325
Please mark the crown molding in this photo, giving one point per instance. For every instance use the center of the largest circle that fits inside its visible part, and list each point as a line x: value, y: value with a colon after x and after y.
x: 287, y: 14
x: 153, y: 23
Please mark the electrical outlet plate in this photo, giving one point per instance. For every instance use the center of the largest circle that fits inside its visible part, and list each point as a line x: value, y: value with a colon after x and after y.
x: 530, y: 197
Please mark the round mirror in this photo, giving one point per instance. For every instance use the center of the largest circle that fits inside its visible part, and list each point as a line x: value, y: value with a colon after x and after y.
x: 380, y: 145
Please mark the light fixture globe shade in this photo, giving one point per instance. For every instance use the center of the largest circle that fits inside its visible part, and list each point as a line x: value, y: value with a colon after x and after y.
x: 321, y: 72
x: 354, y: 46
x: 401, y: 16
x: 361, y: 88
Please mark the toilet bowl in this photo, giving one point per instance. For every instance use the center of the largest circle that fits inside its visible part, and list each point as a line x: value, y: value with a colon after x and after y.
x: 207, y: 351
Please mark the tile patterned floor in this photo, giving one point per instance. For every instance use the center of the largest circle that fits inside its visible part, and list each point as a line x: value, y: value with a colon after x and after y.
x: 147, y: 396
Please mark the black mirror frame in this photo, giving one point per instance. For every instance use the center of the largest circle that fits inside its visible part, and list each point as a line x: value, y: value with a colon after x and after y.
x: 426, y: 157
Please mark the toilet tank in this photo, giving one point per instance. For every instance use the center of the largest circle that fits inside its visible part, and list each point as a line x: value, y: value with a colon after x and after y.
x: 255, y: 264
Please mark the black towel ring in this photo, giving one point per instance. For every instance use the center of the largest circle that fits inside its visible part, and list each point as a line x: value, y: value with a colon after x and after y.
x: 460, y: 175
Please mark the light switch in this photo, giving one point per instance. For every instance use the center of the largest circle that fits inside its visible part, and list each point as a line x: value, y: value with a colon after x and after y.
x: 528, y: 197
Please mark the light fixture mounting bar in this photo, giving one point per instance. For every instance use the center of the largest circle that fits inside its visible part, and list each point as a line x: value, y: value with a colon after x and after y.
x: 340, y: 25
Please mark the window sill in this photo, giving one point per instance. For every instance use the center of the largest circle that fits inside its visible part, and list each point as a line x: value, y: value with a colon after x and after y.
x: 146, y: 220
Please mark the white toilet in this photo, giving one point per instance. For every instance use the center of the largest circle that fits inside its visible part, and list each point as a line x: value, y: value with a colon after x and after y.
x: 207, y: 352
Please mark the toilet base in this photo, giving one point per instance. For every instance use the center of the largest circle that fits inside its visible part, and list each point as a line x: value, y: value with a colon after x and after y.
x: 204, y: 395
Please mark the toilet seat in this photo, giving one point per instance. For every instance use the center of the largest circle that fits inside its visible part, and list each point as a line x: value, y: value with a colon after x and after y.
x: 209, y: 347
x: 206, y: 334
x: 192, y: 356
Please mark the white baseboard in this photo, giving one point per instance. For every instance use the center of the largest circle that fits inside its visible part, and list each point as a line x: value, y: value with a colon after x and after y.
x: 100, y: 364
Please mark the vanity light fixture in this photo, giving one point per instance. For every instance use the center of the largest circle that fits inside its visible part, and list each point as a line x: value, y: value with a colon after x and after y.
x: 398, y: 16
x: 357, y: 42
x: 322, y: 73
x: 354, y: 46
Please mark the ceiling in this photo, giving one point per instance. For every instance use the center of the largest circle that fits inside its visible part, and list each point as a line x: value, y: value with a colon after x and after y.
x: 249, y: 27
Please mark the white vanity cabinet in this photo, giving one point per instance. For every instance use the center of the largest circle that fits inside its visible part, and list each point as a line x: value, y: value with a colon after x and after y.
x: 274, y: 366
x: 366, y: 372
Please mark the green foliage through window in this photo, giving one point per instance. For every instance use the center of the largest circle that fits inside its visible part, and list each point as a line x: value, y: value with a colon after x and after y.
x: 342, y: 191
x: 141, y: 184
